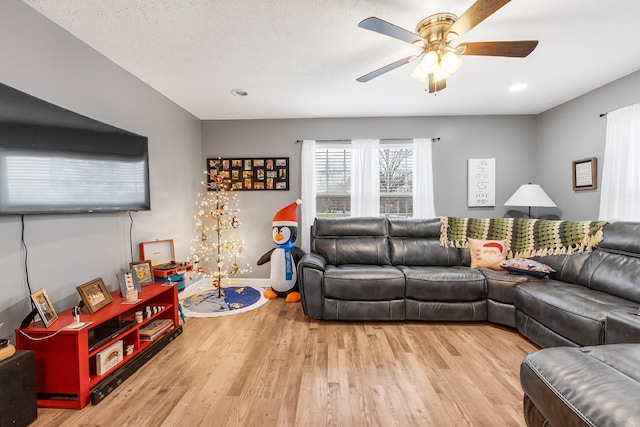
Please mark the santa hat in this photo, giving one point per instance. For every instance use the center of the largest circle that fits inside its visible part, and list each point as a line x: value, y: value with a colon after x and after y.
x: 287, y: 215
x: 494, y: 245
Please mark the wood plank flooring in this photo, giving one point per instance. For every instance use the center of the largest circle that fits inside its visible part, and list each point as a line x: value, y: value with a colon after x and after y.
x: 274, y: 366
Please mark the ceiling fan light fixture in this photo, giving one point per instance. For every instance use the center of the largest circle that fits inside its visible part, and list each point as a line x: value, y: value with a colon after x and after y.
x: 440, y: 74
x: 419, y: 75
x: 427, y: 65
x: 450, y: 62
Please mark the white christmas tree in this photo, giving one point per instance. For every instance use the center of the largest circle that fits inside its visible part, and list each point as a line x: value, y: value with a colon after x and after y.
x: 216, y: 249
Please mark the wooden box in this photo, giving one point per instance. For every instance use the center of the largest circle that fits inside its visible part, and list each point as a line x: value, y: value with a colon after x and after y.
x: 162, y: 255
x: 108, y: 358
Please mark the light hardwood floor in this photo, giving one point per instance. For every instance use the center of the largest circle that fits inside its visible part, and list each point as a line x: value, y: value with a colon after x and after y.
x: 274, y: 366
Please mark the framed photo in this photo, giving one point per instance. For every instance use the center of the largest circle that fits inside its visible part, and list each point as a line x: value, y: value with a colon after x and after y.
x: 94, y: 294
x: 144, y: 271
x: 248, y: 173
x: 44, y: 307
x: 128, y: 279
x: 585, y: 174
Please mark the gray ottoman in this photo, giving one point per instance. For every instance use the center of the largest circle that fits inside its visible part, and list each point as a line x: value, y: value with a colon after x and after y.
x: 588, y: 386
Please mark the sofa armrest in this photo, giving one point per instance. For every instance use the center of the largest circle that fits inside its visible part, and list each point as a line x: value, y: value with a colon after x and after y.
x: 622, y: 327
x: 310, y: 283
x: 313, y: 260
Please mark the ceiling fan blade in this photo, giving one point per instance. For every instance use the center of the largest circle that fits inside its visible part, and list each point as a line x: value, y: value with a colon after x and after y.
x: 385, y: 69
x: 513, y: 49
x: 478, y: 12
x: 383, y: 27
x: 436, y: 86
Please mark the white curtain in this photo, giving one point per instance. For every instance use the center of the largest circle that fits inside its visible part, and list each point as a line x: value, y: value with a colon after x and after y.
x: 620, y: 189
x: 423, y: 199
x: 307, y: 193
x: 365, y: 178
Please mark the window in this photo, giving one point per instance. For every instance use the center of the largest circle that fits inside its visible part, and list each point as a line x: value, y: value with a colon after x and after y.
x: 333, y: 179
x: 396, y: 180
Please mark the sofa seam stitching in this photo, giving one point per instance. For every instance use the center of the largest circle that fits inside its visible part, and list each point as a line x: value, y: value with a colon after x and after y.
x: 558, y: 394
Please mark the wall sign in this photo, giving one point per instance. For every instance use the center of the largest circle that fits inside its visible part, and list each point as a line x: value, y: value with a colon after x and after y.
x: 481, y: 182
x: 585, y: 176
x: 251, y: 173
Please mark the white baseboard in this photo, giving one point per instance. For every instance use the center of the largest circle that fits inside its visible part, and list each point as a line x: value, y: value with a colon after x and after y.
x: 255, y: 282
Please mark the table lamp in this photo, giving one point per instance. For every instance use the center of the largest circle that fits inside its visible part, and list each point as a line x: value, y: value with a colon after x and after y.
x: 530, y: 195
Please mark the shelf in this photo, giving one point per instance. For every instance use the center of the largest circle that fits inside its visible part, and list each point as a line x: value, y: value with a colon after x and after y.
x: 66, y: 368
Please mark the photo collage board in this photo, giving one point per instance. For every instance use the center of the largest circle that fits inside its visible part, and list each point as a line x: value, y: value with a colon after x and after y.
x: 249, y: 174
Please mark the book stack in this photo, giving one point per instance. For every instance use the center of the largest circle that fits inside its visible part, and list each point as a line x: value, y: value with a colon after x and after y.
x: 153, y: 329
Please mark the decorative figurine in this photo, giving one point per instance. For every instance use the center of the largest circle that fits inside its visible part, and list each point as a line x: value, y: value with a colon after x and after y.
x: 285, y: 256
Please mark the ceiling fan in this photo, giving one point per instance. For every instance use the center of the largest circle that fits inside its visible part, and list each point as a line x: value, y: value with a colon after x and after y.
x: 434, y: 34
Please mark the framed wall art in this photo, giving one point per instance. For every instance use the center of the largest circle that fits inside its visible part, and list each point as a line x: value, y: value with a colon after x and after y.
x: 44, y: 307
x: 585, y: 174
x: 94, y: 294
x: 249, y: 173
x: 481, y: 182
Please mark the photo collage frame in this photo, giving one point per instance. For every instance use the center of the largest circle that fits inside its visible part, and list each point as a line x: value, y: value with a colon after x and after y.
x: 249, y: 173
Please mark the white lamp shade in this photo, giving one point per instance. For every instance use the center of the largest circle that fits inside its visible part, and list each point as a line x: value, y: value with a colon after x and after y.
x: 530, y: 195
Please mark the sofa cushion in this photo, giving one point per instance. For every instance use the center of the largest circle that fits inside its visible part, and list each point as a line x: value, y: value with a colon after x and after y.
x: 426, y: 252
x: 450, y: 284
x: 572, y: 311
x: 363, y: 282
x: 501, y: 284
x: 417, y: 242
x: 613, y: 273
x: 487, y: 253
x: 351, y: 240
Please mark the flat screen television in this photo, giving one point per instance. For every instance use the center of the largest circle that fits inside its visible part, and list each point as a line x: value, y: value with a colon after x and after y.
x: 53, y: 160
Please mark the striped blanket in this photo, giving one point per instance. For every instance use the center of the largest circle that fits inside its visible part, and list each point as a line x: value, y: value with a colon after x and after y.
x: 525, y: 238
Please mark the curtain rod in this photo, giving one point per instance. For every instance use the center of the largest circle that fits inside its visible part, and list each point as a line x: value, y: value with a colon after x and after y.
x: 603, y: 114
x: 299, y: 141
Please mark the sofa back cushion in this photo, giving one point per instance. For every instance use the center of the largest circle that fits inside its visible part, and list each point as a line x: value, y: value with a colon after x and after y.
x: 351, y: 240
x: 416, y: 242
x: 614, y: 267
x: 567, y: 267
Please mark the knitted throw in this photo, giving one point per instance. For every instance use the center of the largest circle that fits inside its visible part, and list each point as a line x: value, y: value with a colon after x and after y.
x: 525, y: 238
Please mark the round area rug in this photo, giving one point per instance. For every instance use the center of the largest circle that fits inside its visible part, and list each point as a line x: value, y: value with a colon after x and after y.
x: 204, y: 302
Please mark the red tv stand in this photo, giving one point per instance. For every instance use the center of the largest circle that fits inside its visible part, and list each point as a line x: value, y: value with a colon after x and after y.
x: 66, y: 369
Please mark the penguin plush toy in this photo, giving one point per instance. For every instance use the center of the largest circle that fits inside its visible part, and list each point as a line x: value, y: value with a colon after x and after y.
x: 285, y: 256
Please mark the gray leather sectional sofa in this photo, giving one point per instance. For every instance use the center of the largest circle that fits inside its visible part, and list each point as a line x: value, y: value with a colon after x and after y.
x: 395, y: 269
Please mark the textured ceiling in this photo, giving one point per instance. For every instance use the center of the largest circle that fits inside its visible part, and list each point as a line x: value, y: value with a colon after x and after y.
x: 301, y: 58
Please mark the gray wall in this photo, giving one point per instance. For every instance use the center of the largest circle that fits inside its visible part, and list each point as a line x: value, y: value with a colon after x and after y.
x: 509, y: 139
x: 574, y: 131
x: 65, y: 251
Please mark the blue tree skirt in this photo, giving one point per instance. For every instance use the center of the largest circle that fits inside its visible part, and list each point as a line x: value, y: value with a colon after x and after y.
x: 204, y: 301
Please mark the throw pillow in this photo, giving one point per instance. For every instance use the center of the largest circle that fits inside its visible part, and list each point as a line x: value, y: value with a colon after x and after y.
x: 526, y: 266
x: 487, y: 253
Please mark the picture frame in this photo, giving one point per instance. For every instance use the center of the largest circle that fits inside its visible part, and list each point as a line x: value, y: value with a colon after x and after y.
x: 585, y: 174
x: 128, y: 279
x: 481, y: 182
x: 144, y: 271
x: 248, y: 173
x: 95, y: 295
x: 44, y: 307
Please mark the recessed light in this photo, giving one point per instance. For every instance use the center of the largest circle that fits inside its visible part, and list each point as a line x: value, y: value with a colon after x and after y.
x: 239, y: 92
x: 518, y: 87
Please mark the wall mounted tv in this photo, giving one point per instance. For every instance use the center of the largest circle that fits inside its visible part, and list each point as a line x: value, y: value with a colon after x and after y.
x: 53, y: 160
